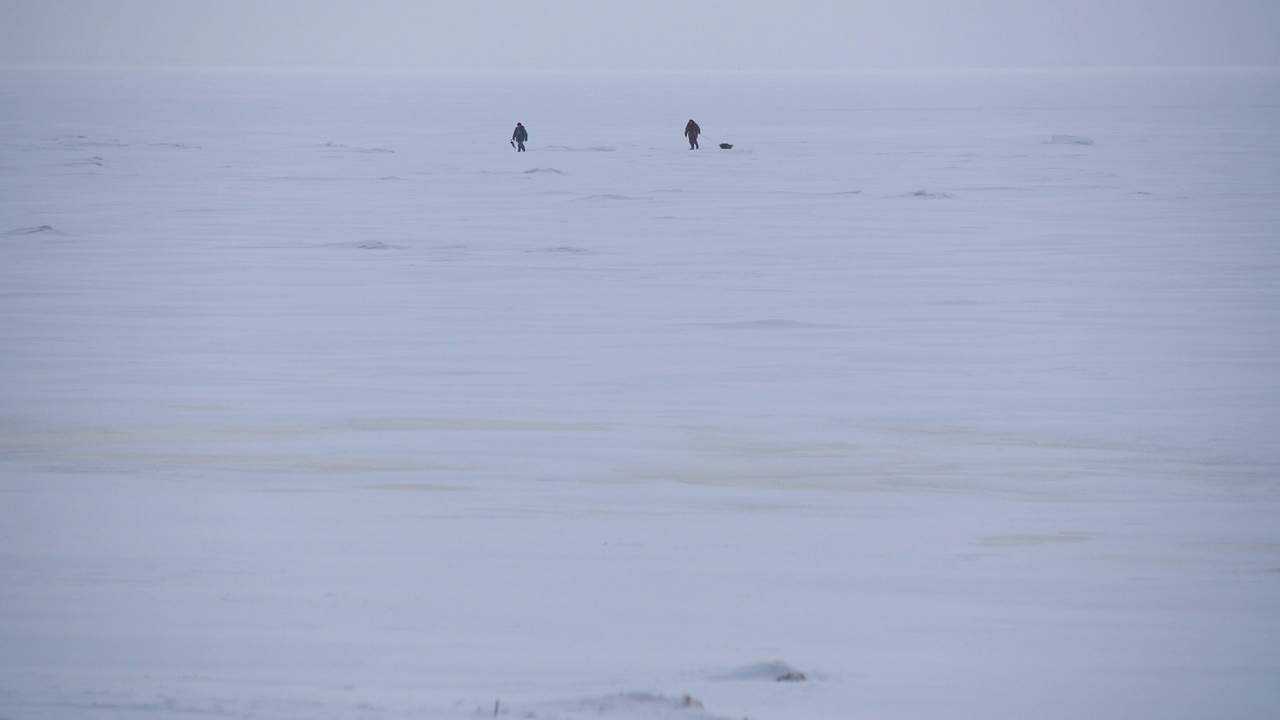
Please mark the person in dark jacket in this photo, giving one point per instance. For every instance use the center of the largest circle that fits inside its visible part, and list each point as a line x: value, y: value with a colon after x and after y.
x: 519, y: 136
x: 691, y: 131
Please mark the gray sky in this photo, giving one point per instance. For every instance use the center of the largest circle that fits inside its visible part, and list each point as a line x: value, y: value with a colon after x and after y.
x: 642, y: 34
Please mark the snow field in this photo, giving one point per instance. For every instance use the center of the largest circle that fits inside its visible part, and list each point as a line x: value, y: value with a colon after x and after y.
x: 955, y: 394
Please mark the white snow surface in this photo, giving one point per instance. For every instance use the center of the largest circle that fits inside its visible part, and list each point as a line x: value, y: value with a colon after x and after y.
x: 318, y: 401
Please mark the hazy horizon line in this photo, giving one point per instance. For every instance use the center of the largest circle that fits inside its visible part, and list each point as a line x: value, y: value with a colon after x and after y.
x: 303, y: 67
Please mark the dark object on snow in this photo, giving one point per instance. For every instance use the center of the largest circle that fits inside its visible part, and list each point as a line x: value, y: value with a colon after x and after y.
x: 726, y: 146
x: 792, y: 676
x: 692, y: 131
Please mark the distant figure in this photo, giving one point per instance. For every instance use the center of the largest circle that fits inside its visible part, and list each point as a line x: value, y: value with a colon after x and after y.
x: 519, y: 136
x: 691, y: 131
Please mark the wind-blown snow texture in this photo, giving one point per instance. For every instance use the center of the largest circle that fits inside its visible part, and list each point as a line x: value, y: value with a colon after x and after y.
x: 937, y: 396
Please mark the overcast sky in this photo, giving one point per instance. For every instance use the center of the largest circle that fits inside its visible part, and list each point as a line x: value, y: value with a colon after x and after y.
x: 642, y: 34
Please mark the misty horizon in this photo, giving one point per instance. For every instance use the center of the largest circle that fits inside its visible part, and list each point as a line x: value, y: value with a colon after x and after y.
x: 558, y: 35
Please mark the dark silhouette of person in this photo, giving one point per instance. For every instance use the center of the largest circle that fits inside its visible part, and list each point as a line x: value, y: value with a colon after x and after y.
x: 691, y: 131
x: 519, y: 136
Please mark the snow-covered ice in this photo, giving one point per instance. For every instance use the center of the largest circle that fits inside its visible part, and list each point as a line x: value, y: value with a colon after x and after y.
x: 937, y: 396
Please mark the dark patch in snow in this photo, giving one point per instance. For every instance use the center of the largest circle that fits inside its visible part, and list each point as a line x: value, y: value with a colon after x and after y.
x: 543, y: 170
x: 1076, y: 187
x: 798, y: 193
x: 771, y: 324
x: 81, y: 141
x: 1031, y: 540
x: 622, y: 705
x: 563, y: 250
x: 1069, y: 140
x: 175, y: 146
x: 598, y: 148
x: 929, y: 195
x: 776, y: 671
x: 360, y: 245
x: 325, y: 179
x: 301, y: 179
x: 349, y: 148
x: 32, y: 230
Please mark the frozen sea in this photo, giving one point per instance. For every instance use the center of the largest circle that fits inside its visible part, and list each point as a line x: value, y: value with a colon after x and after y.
x: 939, y: 395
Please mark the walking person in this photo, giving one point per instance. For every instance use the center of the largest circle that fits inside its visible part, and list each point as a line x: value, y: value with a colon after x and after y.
x: 519, y: 136
x: 691, y: 131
